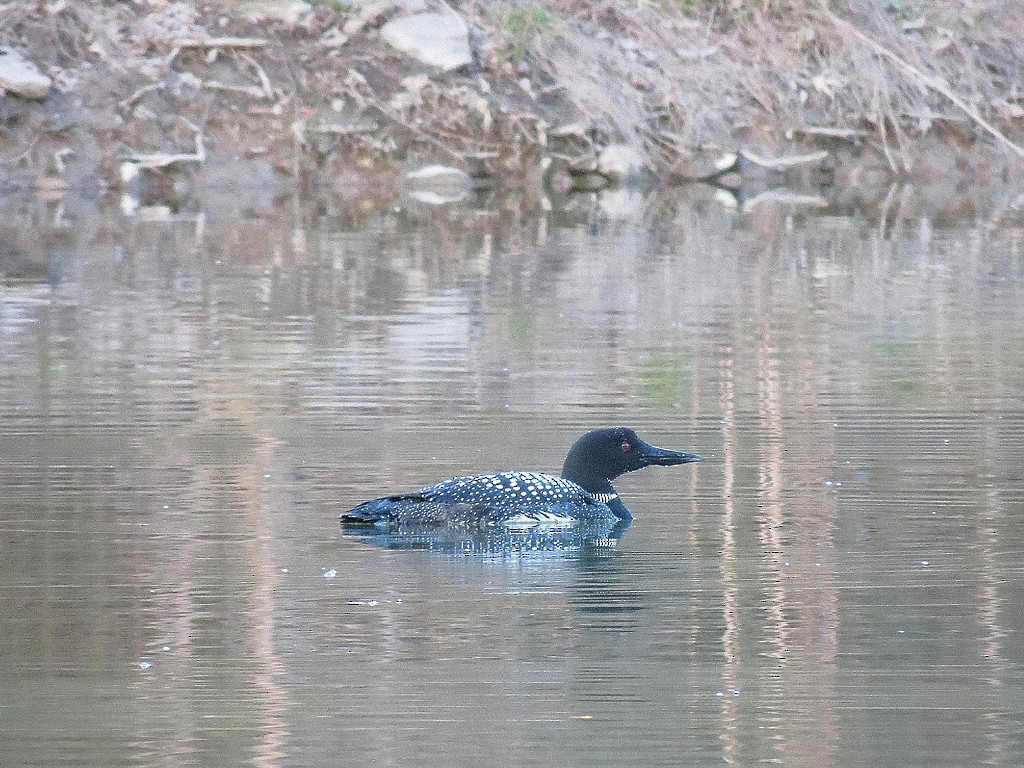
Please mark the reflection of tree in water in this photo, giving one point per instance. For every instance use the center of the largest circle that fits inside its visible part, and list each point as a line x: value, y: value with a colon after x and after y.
x: 480, y: 266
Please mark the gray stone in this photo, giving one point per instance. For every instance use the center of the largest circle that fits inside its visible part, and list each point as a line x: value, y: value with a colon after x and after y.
x: 706, y: 166
x: 437, y: 184
x: 21, y: 77
x: 621, y: 203
x: 620, y: 162
x: 371, y: 13
x: 289, y: 11
x: 438, y: 39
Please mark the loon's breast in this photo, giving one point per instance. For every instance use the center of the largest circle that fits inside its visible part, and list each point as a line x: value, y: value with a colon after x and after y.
x: 513, y: 499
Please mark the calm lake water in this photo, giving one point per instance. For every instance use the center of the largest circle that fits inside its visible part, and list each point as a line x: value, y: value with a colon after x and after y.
x: 187, y: 402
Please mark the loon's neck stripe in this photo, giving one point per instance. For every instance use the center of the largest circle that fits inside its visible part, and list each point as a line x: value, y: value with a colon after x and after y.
x: 606, y: 498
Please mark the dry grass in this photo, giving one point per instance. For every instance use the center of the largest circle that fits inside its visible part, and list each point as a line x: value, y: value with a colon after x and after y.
x: 667, y: 76
x: 675, y: 76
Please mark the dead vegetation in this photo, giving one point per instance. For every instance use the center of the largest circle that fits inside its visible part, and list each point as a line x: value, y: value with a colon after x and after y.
x: 552, y: 84
x: 692, y: 74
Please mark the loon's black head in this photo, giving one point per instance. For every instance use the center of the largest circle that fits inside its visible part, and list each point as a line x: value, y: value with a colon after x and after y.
x: 600, y: 456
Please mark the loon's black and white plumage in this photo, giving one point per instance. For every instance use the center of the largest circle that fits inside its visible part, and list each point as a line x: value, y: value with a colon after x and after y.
x: 525, y: 499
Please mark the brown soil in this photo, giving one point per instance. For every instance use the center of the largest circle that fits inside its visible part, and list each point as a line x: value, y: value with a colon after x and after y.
x: 928, y: 91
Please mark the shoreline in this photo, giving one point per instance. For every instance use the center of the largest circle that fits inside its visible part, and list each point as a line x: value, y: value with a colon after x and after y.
x: 168, y: 99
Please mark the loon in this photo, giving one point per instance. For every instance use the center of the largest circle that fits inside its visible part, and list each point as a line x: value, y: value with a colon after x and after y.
x: 524, y: 499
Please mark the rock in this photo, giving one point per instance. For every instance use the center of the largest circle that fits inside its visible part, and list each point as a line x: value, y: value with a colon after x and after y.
x: 707, y: 166
x: 585, y: 163
x: 372, y: 13
x: 333, y: 38
x: 588, y: 182
x: 486, y: 48
x: 409, y: 96
x: 436, y: 184
x: 620, y: 161
x: 368, y: 15
x: 291, y: 12
x: 51, y: 185
x: 21, y: 77
x: 438, y: 39
x: 621, y: 203
x: 571, y: 131
x: 249, y: 185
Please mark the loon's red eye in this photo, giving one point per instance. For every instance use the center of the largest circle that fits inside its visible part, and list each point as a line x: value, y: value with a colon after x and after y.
x: 626, y: 446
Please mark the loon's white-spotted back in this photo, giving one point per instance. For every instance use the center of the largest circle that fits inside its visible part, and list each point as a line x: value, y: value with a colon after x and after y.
x: 521, y: 499
x: 506, y: 488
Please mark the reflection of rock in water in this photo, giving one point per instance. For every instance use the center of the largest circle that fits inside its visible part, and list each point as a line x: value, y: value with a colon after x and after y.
x: 32, y: 255
x: 587, y: 540
x: 16, y: 269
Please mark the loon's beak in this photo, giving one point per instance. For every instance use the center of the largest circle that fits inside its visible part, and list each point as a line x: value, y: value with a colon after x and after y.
x: 663, y: 457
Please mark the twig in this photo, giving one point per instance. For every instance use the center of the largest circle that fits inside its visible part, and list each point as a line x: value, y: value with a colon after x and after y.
x: 932, y: 116
x: 785, y: 197
x: 849, y: 134
x: 336, y: 129
x: 268, y: 89
x: 58, y: 159
x: 24, y: 153
x: 126, y: 103
x: 726, y: 163
x: 696, y: 54
x: 422, y: 136
x: 784, y: 162
x: 249, y: 90
x: 764, y: 105
x: 666, y: 140
x: 222, y: 42
x: 213, y: 44
x: 451, y: 133
x: 933, y: 82
x: 883, y: 219
x: 889, y: 156
x: 163, y: 159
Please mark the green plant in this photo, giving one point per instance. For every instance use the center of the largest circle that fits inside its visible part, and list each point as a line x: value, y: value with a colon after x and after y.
x: 522, y: 25
x: 341, y: 6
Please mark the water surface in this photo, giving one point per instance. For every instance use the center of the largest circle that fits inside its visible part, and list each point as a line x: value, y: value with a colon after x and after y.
x: 186, y: 403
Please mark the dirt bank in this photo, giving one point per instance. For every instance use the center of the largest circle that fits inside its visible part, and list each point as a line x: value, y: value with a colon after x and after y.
x: 169, y: 98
